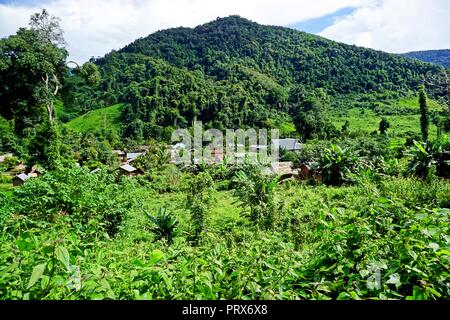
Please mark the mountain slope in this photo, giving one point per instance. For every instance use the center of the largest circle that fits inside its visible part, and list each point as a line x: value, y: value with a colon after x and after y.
x: 288, y: 55
x: 104, y: 118
x: 233, y: 73
x: 440, y: 57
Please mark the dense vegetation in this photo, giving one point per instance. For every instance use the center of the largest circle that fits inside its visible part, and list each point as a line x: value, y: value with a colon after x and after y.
x: 441, y: 57
x: 233, y: 72
x: 369, y: 221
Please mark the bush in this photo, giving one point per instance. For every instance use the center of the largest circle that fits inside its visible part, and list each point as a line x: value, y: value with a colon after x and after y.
x: 198, y: 202
x: 90, y: 203
x: 9, y: 163
x: 257, y: 191
x: 336, y: 165
x: 5, y: 178
x: 164, y: 225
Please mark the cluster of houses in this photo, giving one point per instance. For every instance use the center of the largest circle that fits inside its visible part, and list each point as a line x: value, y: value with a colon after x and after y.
x: 126, y: 168
x: 126, y: 159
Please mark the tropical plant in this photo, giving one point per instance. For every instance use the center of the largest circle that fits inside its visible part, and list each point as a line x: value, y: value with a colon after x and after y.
x: 336, y: 164
x: 164, y: 225
x: 198, y: 202
x: 424, y: 156
x: 256, y: 191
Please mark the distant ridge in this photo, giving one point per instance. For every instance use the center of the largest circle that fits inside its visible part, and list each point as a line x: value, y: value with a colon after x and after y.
x: 440, y: 57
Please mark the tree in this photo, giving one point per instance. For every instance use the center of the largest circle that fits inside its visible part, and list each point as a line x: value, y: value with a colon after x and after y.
x: 256, y: 191
x: 48, y: 28
x: 311, y: 119
x: 424, y: 117
x: 49, y: 32
x: 198, y: 202
x: 384, y: 125
x: 336, y: 164
x: 30, y: 71
x: 8, y: 141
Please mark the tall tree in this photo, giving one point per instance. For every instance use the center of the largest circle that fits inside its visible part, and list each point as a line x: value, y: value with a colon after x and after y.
x: 29, y: 72
x: 49, y: 32
x: 48, y: 28
x: 424, y: 116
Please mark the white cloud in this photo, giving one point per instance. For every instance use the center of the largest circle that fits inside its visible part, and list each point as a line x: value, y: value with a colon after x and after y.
x: 95, y: 27
x: 396, y: 26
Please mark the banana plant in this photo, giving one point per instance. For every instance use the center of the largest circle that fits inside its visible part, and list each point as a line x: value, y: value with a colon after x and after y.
x: 164, y: 225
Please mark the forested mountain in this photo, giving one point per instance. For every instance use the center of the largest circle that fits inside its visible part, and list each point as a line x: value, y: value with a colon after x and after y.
x: 233, y: 72
x: 441, y: 57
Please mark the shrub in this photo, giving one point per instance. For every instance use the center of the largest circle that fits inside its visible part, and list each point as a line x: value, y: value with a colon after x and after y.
x: 164, y: 225
x: 91, y: 203
x: 337, y: 163
x: 256, y: 191
x: 198, y: 201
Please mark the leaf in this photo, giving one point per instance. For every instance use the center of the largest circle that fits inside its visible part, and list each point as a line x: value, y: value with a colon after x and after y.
x: 443, y: 252
x: 63, y: 255
x: 37, y: 273
x: 395, y: 280
x: 156, y: 256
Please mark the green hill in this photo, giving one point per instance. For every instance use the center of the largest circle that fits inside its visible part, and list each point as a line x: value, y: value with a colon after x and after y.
x: 440, y: 57
x: 105, y: 118
x: 233, y: 73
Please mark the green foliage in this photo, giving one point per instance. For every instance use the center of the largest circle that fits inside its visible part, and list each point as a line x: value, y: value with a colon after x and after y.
x: 44, y: 147
x: 337, y: 164
x: 90, y: 73
x: 24, y: 61
x: 156, y: 157
x: 425, y: 156
x: 424, y: 116
x: 198, y: 202
x: 96, y: 120
x: 311, y: 120
x: 8, y: 139
x: 373, y: 241
x: 165, y: 225
x: 256, y: 191
x: 441, y: 57
x: 91, y: 204
x: 384, y: 126
x: 9, y: 163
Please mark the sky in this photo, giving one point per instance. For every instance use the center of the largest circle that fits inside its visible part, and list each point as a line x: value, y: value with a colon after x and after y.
x: 95, y: 27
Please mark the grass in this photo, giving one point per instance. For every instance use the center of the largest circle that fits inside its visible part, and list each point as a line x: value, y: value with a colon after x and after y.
x: 367, y: 121
x: 412, y: 102
x: 6, y: 188
x: 105, y: 118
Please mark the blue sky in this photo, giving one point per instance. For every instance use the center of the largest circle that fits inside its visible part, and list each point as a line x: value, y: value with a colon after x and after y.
x: 317, y: 25
x: 95, y: 27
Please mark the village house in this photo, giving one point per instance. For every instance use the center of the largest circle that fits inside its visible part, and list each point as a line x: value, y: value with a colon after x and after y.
x: 20, y: 179
x: 20, y: 168
x: 35, y: 172
x: 288, y: 144
x: 127, y: 170
x: 131, y: 156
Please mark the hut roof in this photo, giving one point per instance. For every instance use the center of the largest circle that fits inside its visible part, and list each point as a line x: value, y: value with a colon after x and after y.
x: 128, y: 168
x: 288, y: 144
x: 22, y: 177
